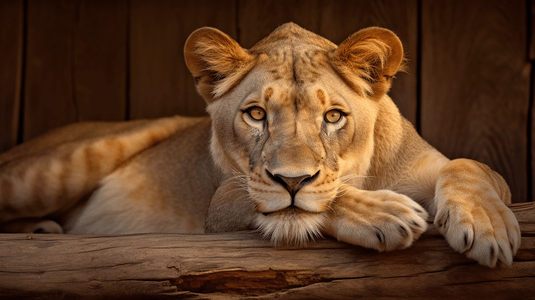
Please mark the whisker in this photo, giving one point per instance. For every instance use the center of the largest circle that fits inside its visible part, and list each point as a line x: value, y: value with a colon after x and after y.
x: 347, y: 178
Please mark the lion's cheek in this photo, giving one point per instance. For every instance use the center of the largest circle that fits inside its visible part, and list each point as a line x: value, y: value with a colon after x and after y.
x: 356, y: 162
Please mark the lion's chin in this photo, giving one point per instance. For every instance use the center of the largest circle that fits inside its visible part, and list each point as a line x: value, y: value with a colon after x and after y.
x: 291, y: 226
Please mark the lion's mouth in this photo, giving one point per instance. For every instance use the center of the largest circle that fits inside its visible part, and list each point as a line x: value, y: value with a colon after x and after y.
x: 292, y: 209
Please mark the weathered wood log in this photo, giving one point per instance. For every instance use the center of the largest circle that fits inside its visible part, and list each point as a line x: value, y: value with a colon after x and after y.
x: 241, y: 265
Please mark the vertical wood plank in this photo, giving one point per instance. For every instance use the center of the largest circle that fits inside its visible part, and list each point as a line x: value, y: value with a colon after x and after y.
x: 532, y: 106
x: 48, y: 92
x: 531, y: 7
x: 76, y: 63
x: 475, y: 84
x: 341, y: 18
x: 11, y: 52
x: 160, y: 83
x: 531, y: 128
x: 100, y: 59
x: 257, y: 19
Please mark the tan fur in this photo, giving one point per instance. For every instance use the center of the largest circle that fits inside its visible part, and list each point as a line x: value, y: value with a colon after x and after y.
x: 367, y: 179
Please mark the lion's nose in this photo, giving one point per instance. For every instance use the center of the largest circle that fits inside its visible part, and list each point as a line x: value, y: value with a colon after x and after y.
x: 292, y: 184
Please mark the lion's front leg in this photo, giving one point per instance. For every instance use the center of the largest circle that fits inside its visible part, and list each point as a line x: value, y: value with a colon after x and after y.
x: 230, y: 209
x: 382, y: 220
x: 471, y: 213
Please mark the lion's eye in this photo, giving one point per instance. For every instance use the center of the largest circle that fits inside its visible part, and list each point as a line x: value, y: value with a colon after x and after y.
x: 257, y: 113
x: 333, y: 116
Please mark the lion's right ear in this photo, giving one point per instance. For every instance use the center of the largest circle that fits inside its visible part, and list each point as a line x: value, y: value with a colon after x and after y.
x: 216, y: 61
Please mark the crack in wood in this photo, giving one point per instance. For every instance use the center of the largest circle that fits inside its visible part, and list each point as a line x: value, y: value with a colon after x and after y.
x: 251, y: 283
x: 478, y: 282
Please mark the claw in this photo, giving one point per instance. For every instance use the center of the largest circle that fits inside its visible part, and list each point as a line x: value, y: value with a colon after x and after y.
x: 403, y: 230
x: 418, y: 210
x: 380, y: 236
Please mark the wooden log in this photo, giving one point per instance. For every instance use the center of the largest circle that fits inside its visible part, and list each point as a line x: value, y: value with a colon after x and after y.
x: 241, y: 265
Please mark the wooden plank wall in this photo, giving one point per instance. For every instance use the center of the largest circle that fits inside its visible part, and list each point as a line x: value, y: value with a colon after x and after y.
x: 160, y: 83
x: 11, y: 52
x: 475, y: 87
x: 469, y: 90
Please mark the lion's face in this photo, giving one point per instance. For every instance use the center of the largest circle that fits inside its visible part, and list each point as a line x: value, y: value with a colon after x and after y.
x: 292, y: 130
x: 293, y: 143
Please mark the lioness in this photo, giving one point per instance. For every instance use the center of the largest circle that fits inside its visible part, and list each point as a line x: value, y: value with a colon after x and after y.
x: 302, y: 141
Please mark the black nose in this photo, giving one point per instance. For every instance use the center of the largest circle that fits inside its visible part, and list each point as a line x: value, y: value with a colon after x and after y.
x: 292, y: 184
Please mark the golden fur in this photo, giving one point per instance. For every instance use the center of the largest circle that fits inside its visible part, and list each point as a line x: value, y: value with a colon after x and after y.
x: 363, y: 175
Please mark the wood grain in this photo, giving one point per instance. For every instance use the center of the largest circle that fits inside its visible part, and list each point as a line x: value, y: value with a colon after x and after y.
x: 48, y: 88
x: 100, y: 60
x: 341, y: 18
x: 532, y: 112
x: 531, y: 29
x: 257, y: 19
x: 240, y: 265
x: 11, y: 50
x: 76, y: 63
x: 531, y: 128
x: 475, y: 84
x: 160, y: 83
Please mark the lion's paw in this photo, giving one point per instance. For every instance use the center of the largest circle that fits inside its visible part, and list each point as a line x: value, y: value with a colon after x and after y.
x: 382, y: 220
x: 486, y: 231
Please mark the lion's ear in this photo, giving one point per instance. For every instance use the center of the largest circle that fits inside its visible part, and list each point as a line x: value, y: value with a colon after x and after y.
x: 216, y: 61
x: 368, y: 59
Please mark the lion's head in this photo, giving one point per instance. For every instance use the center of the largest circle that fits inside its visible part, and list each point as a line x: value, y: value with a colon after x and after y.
x: 293, y: 117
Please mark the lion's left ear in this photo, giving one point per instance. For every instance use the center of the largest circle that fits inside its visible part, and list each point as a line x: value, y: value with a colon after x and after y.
x: 368, y: 60
x: 216, y: 61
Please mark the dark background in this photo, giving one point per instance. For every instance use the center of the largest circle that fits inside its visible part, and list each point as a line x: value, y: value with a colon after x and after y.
x: 469, y: 91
